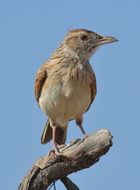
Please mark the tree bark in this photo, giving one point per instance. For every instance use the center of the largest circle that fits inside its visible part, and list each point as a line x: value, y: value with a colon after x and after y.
x: 75, y: 156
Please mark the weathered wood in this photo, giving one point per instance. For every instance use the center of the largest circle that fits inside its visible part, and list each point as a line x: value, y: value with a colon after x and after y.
x: 77, y: 155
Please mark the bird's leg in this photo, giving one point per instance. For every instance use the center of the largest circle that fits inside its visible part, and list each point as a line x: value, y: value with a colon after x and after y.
x: 79, y: 123
x: 55, y: 149
x: 83, y: 131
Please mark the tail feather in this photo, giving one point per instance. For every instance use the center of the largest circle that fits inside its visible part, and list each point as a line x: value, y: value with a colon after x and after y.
x: 47, y: 134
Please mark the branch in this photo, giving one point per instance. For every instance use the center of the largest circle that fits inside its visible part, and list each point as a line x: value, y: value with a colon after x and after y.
x: 77, y: 155
x: 69, y: 184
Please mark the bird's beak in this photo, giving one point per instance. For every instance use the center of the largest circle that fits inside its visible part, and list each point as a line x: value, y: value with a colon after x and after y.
x: 104, y: 40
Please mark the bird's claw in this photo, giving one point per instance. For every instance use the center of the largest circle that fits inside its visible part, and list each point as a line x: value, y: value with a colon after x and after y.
x: 85, y: 136
x: 55, y: 151
x: 62, y: 146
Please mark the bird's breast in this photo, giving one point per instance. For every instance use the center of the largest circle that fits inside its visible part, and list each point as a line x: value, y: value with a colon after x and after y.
x: 66, y: 96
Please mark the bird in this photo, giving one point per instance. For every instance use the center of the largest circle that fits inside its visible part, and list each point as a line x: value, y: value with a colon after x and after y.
x: 65, y: 85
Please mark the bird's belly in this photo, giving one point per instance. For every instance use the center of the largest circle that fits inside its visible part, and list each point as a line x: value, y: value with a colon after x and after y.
x: 66, y: 101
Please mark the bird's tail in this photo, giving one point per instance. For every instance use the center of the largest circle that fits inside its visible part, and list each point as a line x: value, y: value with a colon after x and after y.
x: 47, y: 134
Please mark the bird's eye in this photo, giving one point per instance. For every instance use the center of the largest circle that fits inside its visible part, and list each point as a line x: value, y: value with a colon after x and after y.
x: 84, y: 37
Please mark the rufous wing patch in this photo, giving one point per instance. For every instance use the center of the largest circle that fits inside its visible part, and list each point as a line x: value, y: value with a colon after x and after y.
x: 93, y: 88
x: 39, y: 81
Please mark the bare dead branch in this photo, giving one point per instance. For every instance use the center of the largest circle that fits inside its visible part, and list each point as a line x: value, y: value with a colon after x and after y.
x: 77, y: 155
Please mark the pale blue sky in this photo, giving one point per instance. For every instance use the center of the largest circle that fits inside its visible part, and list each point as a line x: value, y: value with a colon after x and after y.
x: 29, y: 31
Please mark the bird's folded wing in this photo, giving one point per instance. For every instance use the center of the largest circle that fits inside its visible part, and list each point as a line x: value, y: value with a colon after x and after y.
x: 41, y: 77
x: 93, y: 90
x: 92, y: 85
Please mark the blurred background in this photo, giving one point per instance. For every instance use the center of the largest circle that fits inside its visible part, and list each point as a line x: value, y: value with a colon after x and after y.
x: 29, y: 32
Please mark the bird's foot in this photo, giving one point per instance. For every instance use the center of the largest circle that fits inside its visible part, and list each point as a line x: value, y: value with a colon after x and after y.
x: 55, y: 151
x: 61, y: 146
x: 84, y: 136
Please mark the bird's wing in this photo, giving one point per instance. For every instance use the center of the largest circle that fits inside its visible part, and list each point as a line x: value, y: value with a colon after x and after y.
x: 41, y: 77
x: 92, y: 85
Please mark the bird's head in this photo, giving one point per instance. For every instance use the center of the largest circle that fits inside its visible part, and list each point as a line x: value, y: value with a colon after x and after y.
x: 84, y: 43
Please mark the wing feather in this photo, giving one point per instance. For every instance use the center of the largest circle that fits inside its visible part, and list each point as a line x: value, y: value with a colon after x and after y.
x: 93, y: 85
x: 40, y: 79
